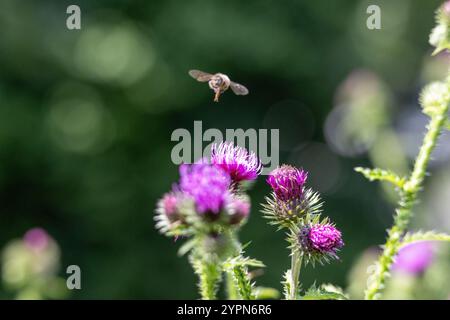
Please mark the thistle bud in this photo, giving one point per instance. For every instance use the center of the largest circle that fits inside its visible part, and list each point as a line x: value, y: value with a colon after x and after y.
x: 239, y: 163
x: 170, y: 211
x: 287, y: 182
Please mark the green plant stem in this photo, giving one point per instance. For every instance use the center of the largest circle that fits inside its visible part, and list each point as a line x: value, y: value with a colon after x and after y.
x: 408, y: 198
x: 296, y: 264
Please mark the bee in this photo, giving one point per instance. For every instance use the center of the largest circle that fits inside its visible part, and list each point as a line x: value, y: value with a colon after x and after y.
x: 219, y: 83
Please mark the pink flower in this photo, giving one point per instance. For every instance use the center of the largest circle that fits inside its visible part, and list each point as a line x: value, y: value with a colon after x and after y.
x: 36, y: 239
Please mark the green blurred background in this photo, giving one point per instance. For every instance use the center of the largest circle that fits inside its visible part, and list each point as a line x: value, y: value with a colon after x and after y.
x: 86, y: 118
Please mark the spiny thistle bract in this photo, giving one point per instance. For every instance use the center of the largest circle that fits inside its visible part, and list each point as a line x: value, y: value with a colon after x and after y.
x: 240, y: 164
x: 207, y: 185
x: 440, y: 35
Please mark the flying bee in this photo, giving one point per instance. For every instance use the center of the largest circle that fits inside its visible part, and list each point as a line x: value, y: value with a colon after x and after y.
x: 219, y: 83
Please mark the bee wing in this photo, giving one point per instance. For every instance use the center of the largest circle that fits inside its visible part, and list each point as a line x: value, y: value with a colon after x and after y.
x: 200, y: 75
x: 238, y: 89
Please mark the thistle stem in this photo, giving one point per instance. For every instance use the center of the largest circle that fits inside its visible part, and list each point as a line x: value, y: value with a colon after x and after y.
x: 408, y: 197
x: 232, y: 291
x: 209, y: 278
x: 296, y: 264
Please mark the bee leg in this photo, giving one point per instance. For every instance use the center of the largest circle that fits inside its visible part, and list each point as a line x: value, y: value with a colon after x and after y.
x: 216, y: 96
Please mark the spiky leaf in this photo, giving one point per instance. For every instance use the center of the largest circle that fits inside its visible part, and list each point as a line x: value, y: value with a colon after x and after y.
x: 265, y: 293
x: 324, y: 292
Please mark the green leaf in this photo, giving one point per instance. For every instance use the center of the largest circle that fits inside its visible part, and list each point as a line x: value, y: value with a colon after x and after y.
x: 424, y: 236
x: 324, y: 292
x: 186, y: 247
x: 382, y: 175
x: 447, y: 125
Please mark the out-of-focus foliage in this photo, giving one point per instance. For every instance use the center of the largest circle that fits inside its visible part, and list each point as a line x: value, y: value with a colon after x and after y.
x: 431, y: 283
x: 86, y: 118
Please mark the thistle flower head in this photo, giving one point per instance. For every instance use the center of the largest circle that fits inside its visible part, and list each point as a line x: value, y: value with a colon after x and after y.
x: 445, y: 8
x: 320, y: 241
x: 287, y: 182
x: 170, y: 213
x: 236, y: 161
x: 207, y: 184
x: 169, y: 206
x: 414, y: 258
x: 238, y: 209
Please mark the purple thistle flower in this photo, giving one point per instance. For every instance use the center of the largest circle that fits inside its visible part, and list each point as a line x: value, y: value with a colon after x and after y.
x: 238, y: 162
x: 287, y: 182
x: 321, y: 238
x: 414, y: 258
x: 239, y: 209
x: 207, y: 184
